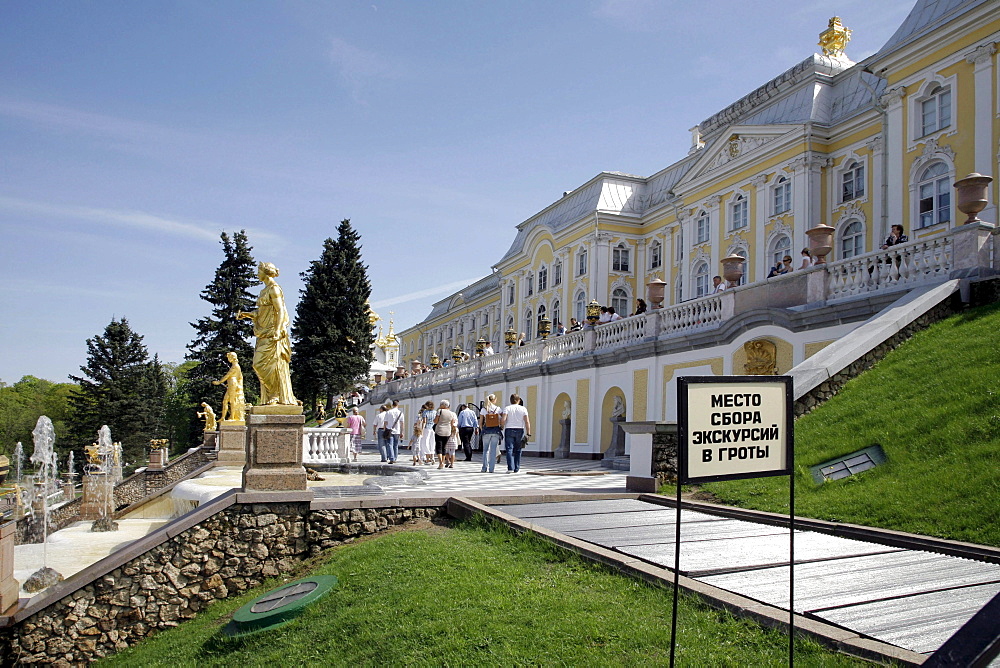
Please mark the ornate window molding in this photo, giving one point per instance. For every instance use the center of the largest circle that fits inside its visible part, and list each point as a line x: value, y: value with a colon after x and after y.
x: 850, y: 238
x: 703, y: 227
x: 781, y: 195
x: 738, y: 211
x: 851, y: 179
x: 933, y: 109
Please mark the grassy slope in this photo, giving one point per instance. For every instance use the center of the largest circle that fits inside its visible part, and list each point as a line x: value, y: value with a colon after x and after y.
x: 934, y: 406
x: 476, y: 595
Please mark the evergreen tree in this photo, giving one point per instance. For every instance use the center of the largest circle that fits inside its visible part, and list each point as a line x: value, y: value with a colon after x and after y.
x: 219, y: 333
x: 332, y: 337
x: 121, y: 388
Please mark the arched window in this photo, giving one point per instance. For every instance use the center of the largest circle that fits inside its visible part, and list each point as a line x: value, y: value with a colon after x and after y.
x: 620, y: 258
x: 557, y: 273
x: 743, y: 254
x: 580, y: 307
x: 581, y: 262
x: 934, y: 196
x: 702, y: 282
x: 852, y: 182
x: 620, y: 301
x: 852, y: 240
x: 529, y: 322
x: 781, y: 195
x: 543, y: 279
x: 556, y: 314
x: 529, y: 284
x: 935, y: 111
x: 655, y: 255
x: 510, y: 323
x: 738, y: 211
x: 780, y: 247
x: 703, y: 227
x: 680, y: 288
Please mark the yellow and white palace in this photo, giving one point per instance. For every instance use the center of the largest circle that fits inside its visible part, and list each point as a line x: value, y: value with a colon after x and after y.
x: 841, y: 148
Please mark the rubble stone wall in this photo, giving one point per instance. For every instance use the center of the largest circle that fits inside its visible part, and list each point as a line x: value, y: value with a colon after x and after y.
x: 224, y: 555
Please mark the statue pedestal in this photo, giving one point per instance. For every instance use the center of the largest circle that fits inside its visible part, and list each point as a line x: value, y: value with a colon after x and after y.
x: 274, y: 450
x: 8, y: 585
x: 562, y: 452
x: 232, y: 443
x: 157, y: 459
x: 95, y: 493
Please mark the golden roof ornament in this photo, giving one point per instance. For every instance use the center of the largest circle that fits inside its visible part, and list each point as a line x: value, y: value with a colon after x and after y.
x: 834, y: 39
x: 372, y: 315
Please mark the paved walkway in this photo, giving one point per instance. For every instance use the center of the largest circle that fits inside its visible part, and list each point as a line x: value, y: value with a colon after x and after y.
x: 909, y: 598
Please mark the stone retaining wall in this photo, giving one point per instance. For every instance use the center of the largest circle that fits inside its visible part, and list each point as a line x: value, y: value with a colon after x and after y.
x: 153, y: 587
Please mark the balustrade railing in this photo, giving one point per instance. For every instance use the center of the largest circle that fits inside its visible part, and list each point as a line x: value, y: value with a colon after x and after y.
x: 621, y: 332
x: 690, y: 316
x: 321, y: 445
x: 564, y: 346
x: 903, y: 265
x: 492, y: 363
x: 526, y: 355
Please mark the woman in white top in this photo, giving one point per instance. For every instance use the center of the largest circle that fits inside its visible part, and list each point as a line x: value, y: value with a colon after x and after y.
x: 516, y: 430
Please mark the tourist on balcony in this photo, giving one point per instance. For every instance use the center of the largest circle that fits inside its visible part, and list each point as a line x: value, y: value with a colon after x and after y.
x: 613, y: 315
x: 516, y: 432
x: 560, y: 329
x: 490, y: 418
x: 467, y: 426
x: 605, y: 316
x: 445, y: 424
x: 523, y: 340
x: 427, y: 415
x: 806, y: 259
x: 718, y: 285
x: 786, y: 265
x: 640, y: 306
x: 895, y: 237
x: 488, y: 350
x: 379, y: 429
x: 775, y: 270
x: 356, y: 423
x: 574, y: 325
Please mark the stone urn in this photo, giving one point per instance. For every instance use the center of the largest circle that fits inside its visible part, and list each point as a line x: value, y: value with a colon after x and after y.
x: 732, y: 269
x: 971, y: 195
x: 655, y: 291
x: 820, y: 242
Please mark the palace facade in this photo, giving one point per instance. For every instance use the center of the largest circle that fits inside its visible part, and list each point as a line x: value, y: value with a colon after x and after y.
x: 858, y: 147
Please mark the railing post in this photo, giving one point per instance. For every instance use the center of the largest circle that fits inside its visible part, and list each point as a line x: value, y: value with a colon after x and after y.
x: 972, y: 255
x: 589, y: 339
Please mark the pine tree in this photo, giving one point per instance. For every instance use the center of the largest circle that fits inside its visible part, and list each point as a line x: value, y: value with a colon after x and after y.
x: 331, y: 335
x: 120, y: 387
x: 219, y: 333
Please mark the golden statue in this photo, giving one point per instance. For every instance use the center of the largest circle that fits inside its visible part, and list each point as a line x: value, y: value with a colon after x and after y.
x: 233, y: 403
x: 273, y: 353
x: 834, y: 39
x: 209, y: 416
x: 93, y: 454
x: 761, y: 358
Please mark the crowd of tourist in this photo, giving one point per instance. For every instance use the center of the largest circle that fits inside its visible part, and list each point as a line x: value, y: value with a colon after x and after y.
x: 438, y: 434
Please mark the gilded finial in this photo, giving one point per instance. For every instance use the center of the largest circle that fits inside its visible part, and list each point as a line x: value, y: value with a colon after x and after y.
x: 834, y: 39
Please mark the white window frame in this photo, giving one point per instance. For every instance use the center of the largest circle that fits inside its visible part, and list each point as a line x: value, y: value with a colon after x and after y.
x: 557, y: 273
x: 940, y: 185
x: 529, y: 284
x: 702, y: 279
x: 778, y: 250
x: 943, y: 90
x: 556, y: 314
x: 621, y: 258
x: 655, y: 255
x: 580, y: 307
x: 703, y: 227
x: 781, y: 196
x: 855, y: 171
x: 581, y: 262
x: 739, y: 212
x: 510, y: 294
x: 529, y: 318
x: 857, y: 237
x: 620, y: 300
x: 543, y: 278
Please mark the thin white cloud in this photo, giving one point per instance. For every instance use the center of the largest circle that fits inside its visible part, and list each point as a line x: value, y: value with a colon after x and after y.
x: 66, y: 118
x: 359, y: 66
x: 138, y: 220
x: 423, y: 294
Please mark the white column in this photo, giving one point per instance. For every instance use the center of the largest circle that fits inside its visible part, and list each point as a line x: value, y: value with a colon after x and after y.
x: 892, y: 101
x: 687, y: 225
x: 982, y: 58
x: 877, y: 225
x: 757, y: 260
x: 600, y: 263
x: 714, y: 205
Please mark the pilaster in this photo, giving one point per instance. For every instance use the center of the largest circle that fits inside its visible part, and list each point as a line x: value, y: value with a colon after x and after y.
x: 982, y: 58
x: 892, y: 102
x: 758, y: 261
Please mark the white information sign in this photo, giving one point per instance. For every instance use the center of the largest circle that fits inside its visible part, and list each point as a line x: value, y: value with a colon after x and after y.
x: 734, y: 427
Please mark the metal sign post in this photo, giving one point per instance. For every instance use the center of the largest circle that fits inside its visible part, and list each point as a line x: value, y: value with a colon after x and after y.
x: 729, y: 428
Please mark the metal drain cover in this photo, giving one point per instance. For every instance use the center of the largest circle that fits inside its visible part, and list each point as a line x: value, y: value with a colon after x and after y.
x: 279, y: 606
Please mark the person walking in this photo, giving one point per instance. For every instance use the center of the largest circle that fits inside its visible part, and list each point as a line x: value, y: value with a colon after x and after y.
x: 467, y: 426
x: 356, y: 423
x: 489, y: 424
x: 445, y: 424
x: 379, y: 429
x: 516, y: 430
x: 427, y: 415
x: 393, y: 424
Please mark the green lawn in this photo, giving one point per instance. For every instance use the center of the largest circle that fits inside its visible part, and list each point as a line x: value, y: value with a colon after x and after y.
x: 933, y: 404
x: 477, y: 594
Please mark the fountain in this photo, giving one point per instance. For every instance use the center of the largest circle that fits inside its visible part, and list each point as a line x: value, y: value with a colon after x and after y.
x: 19, y: 460
x: 69, y: 487
x: 102, y: 472
x: 43, y: 457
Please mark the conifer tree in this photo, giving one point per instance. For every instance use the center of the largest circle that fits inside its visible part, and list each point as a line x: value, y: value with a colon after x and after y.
x: 219, y: 333
x: 331, y: 334
x: 120, y: 387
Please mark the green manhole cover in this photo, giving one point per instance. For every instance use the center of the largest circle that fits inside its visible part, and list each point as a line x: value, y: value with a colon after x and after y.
x: 279, y: 606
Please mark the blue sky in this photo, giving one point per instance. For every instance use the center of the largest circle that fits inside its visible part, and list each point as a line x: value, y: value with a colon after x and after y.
x: 133, y: 133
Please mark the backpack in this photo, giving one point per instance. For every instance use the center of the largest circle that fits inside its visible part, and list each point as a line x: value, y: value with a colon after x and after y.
x: 491, y: 419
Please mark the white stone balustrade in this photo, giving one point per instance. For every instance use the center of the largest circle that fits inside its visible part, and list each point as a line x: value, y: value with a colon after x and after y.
x: 621, y: 332
x: 905, y: 265
x: 565, y: 346
x: 690, y: 316
x: 323, y: 445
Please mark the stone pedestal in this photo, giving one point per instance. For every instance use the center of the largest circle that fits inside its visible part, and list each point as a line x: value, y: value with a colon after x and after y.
x: 157, y: 459
x: 8, y: 585
x: 562, y: 452
x: 653, y: 455
x: 232, y: 443
x: 274, y: 450
x: 69, y: 491
x: 95, y: 496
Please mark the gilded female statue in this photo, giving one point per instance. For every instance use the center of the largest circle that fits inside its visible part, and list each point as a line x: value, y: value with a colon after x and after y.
x: 274, y: 348
x: 233, y: 404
